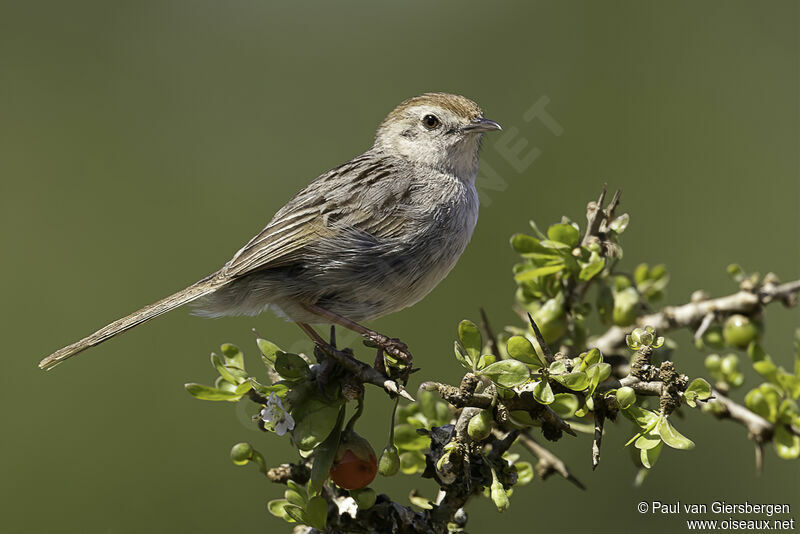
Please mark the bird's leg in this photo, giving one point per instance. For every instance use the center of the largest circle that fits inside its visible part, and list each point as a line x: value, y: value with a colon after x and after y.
x: 392, y: 346
x: 322, y: 351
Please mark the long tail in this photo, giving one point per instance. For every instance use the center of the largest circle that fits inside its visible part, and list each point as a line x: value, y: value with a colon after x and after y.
x: 194, y: 291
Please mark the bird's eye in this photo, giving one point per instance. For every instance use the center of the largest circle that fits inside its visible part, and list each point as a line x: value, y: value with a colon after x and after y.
x: 430, y: 121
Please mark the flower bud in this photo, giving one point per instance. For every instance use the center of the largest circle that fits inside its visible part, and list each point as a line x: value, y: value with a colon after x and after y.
x: 390, y: 461
x: 499, y: 496
x: 241, y: 453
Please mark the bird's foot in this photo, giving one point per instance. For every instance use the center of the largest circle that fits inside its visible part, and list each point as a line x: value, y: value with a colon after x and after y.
x: 393, y: 359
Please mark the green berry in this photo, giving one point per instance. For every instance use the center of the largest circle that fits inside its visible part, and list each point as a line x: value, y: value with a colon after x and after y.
x: 626, y: 396
x: 241, y: 453
x: 739, y: 331
x: 389, y: 463
x: 480, y: 426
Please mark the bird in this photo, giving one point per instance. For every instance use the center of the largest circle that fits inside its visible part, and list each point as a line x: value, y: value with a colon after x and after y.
x: 363, y: 240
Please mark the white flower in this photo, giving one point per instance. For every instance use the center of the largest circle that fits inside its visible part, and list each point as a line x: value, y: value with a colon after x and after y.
x: 274, y: 413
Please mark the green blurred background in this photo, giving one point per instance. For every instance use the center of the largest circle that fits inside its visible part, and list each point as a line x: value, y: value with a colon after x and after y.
x: 142, y: 143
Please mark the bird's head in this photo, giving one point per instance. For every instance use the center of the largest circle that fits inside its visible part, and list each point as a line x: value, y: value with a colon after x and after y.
x: 439, y: 130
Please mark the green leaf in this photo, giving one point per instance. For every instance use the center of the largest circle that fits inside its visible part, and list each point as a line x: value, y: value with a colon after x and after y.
x: 565, y: 405
x: 525, y: 244
x: 295, y: 497
x: 524, y: 472
x: 269, y: 351
x: 648, y: 440
x: 296, y: 513
x: 564, y: 233
x: 212, y: 394
x: 277, y: 508
x: 575, y: 381
x: 698, y: 389
x: 486, y: 359
x: 543, y: 393
x: 315, y: 419
x: 462, y: 357
x: 597, y: 373
x: 767, y: 369
x: 317, y: 512
x: 233, y: 356
x: 591, y: 269
x: 672, y: 437
x: 507, y: 373
x: 649, y: 457
x: 325, y: 454
x: 216, y: 361
x: 407, y: 438
x: 471, y: 340
x: 521, y: 349
x: 787, y: 445
x: 532, y: 274
x: 291, y: 366
x: 590, y: 358
x: 641, y: 417
x: 280, y: 389
x: 620, y: 223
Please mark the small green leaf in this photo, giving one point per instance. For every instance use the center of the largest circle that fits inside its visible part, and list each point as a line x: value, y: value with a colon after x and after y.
x: 787, y: 445
x: 233, y: 356
x: 649, y: 457
x: 525, y: 244
x: 471, y: 340
x: 212, y: 394
x: 641, y: 417
x: 575, y: 381
x: 325, y: 454
x: 565, y: 405
x: 591, y: 269
x: 507, y: 373
x: 620, y: 223
x: 269, y: 351
x: 277, y: 508
x: 216, y: 361
x: 486, y: 359
x: 543, y: 393
x: 648, y: 440
x: 291, y: 366
x: 524, y: 472
x: 314, y: 420
x: 317, y: 512
x: 564, y: 233
x: 521, y: 349
x: 296, y: 513
x: 698, y: 389
x: 532, y: 274
x: 672, y: 437
x: 295, y: 497
x: 597, y: 373
x: 461, y: 356
x: 407, y: 438
x: 590, y: 358
x: 767, y: 369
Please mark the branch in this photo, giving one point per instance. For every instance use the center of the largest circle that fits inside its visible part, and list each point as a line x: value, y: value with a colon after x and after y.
x: 548, y: 462
x: 692, y: 313
x: 759, y: 429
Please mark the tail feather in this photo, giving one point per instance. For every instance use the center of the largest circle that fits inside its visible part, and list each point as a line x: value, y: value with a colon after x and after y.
x: 195, y: 291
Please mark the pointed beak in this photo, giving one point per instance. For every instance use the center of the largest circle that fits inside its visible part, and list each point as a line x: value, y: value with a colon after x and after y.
x: 480, y: 125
